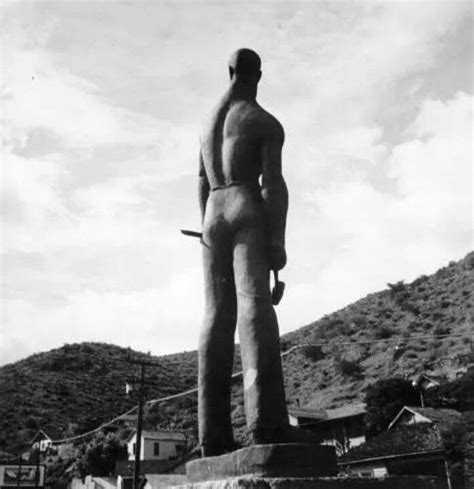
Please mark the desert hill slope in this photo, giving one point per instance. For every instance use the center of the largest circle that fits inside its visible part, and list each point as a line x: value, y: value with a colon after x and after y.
x: 402, y: 330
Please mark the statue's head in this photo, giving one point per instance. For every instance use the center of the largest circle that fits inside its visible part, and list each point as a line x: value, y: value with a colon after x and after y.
x: 245, y: 65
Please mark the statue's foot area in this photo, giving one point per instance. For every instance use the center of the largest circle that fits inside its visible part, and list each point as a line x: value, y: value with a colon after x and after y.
x: 283, y: 434
x: 212, y: 450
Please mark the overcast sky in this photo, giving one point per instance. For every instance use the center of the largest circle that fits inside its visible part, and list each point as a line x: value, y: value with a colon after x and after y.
x: 101, y: 108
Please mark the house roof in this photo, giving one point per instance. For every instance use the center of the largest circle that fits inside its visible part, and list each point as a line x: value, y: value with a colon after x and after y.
x: 428, y: 378
x: 309, y: 413
x: 160, y: 435
x: 40, y: 435
x: 346, y: 411
x: 415, y: 438
x: 443, y: 418
x: 329, y: 414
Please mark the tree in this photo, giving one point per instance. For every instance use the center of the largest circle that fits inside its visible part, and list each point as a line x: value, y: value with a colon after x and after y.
x: 384, y: 400
x: 98, y: 457
x: 452, y: 395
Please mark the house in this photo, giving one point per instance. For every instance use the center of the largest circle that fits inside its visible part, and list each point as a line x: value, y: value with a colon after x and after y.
x: 158, y: 445
x: 413, y: 444
x: 410, y: 415
x: 41, y: 441
x: 124, y: 469
x: 425, y: 382
x: 342, y: 427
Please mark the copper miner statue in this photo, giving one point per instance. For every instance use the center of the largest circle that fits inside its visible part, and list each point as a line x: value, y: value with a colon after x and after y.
x: 244, y: 201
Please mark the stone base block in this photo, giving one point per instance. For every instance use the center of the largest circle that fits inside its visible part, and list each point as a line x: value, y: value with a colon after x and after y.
x: 402, y: 482
x: 279, y: 460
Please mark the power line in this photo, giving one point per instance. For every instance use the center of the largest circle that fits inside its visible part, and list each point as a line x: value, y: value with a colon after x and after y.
x: 238, y: 374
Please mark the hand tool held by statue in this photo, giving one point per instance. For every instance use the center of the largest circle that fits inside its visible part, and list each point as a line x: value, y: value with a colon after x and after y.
x: 243, y: 236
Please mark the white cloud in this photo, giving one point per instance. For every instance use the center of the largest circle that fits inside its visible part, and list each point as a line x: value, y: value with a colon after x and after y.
x: 37, y: 93
x: 151, y: 319
x: 389, y: 237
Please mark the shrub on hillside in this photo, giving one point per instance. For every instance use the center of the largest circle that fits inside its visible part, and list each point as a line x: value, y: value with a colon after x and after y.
x: 383, y: 332
x: 349, y: 368
x: 442, y: 329
x: 31, y: 423
x: 359, y: 320
x: 420, y: 280
x: 398, y: 287
x: 313, y: 352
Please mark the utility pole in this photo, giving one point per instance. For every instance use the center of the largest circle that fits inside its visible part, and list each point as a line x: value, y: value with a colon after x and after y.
x: 138, y: 443
x: 37, y: 473
x: 141, y: 402
x: 18, y: 478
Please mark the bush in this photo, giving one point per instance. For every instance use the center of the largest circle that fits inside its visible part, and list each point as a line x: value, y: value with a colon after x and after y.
x: 31, y: 423
x: 359, y: 320
x: 98, y: 457
x: 452, y: 395
x: 397, y: 287
x: 349, y: 368
x: 442, y: 329
x: 383, y: 332
x: 313, y: 352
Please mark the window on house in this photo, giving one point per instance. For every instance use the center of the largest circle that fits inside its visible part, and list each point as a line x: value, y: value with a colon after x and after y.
x: 179, y: 448
x: 156, y: 448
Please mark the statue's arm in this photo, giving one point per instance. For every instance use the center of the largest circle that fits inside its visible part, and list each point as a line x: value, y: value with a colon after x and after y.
x: 275, y: 196
x: 203, y: 187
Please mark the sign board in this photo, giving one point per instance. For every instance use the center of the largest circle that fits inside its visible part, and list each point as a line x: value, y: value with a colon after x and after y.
x: 9, y: 475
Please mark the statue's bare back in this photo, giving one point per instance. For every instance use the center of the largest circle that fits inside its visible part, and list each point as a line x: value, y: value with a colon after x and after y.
x: 232, y: 141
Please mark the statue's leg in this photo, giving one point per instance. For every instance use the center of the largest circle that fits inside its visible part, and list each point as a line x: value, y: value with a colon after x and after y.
x: 216, y: 348
x: 265, y: 404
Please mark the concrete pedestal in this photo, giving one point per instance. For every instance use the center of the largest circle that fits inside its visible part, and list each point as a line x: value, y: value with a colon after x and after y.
x: 403, y: 482
x: 283, y: 460
x: 287, y: 466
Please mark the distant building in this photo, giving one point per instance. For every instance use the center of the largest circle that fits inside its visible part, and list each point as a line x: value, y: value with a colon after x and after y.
x: 342, y: 427
x: 413, y: 415
x: 125, y: 468
x: 41, y: 441
x: 426, y: 382
x: 158, y: 445
x: 413, y: 444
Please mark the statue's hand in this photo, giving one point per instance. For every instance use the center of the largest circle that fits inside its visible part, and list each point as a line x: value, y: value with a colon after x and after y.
x: 276, y: 256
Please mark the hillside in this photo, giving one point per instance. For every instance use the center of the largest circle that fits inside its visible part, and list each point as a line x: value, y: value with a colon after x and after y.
x: 76, y: 387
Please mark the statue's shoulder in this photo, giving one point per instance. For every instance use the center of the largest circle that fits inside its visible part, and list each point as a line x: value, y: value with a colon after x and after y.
x: 273, y: 126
